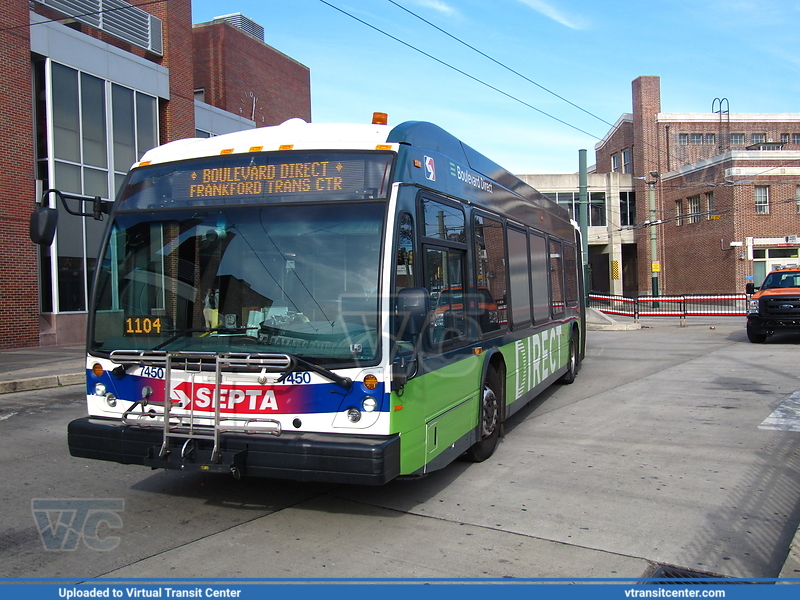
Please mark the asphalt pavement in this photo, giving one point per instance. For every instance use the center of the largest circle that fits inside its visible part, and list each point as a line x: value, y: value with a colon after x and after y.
x: 44, y: 367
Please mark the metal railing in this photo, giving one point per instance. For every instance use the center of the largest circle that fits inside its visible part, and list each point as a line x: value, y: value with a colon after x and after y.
x: 690, y: 305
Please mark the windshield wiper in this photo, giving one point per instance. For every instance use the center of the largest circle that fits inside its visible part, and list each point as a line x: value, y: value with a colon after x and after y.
x: 182, y: 332
x: 298, y: 364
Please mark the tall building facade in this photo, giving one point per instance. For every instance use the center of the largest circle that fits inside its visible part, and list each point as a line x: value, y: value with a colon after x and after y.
x: 725, y: 186
x: 84, y: 95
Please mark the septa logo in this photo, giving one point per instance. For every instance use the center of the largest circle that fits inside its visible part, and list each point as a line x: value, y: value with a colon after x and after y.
x: 430, y: 169
x: 232, y: 399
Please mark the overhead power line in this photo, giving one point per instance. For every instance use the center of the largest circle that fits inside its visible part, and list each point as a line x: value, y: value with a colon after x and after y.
x: 460, y: 71
x: 497, y: 62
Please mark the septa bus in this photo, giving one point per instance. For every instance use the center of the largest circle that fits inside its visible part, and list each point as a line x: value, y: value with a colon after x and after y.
x: 319, y: 302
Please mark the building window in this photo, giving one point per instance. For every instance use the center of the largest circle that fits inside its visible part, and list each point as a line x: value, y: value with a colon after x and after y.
x: 678, y: 212
x: 597, y: 209
x: 784, y: 138
x: 797, y: 197
x: 711, y: 138
x: 627, y: 208
x: 615, y: 163
x: 796, y: 138
x: 626, y: 161
x: 709, y: 204
x: 762, y: 199
x: 759, y: 138
x: 737, y: 138
x: 683, y: 139
x: 695, y: 139
x: 694, y: 209
x: 97, y: 130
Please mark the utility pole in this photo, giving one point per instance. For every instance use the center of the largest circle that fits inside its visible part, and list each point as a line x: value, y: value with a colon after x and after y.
x: 655, y: 265
x: 583, y: 217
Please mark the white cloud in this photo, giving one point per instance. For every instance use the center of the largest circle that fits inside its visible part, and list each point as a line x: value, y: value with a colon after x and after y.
x: 551, y: 12
x: 438, y: 6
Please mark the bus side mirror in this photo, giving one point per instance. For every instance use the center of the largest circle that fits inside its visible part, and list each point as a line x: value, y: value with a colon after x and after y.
x: 750, y: 288
x: 43, y: 225
x: 413, y: 308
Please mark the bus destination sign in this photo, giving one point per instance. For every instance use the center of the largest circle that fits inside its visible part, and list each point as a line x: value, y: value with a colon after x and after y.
x: 286, y: 178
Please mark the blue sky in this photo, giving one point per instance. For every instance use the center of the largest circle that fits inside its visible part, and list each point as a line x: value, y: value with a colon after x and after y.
x: 586, y: 52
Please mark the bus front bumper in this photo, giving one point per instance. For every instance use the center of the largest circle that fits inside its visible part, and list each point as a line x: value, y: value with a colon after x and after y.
x: 326, y: 457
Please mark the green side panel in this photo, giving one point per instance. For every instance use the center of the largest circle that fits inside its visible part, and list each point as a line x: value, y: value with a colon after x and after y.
x: 448, y: 397
x: 531, y: 360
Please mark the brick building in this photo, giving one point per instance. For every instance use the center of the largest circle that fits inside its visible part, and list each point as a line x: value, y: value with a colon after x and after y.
x: 83, y: 96
x: 726, y: 188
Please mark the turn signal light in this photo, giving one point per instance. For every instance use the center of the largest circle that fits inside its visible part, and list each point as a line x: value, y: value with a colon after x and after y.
x: 370, y: 382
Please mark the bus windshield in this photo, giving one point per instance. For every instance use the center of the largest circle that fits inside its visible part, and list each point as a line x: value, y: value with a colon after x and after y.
x: 294, y: 279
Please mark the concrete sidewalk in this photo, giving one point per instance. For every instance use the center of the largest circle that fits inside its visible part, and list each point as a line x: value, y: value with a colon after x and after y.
x: 43, y: 367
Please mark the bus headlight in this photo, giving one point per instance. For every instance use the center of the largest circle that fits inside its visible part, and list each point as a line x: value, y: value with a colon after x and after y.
x: 353, y: 415
x: 369, y: 404
x: 99, y: 389
x: 111, y: 400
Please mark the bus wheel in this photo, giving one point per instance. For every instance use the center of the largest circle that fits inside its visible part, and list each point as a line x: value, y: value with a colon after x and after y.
x: 489, y: 418
x: 572, y: 362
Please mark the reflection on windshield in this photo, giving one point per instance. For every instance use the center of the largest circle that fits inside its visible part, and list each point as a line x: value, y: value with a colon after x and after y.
x: 291, y: 279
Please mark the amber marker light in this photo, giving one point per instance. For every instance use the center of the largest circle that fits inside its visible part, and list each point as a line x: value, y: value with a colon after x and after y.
x: 370, y: 382
x: 285, y: 146
x: 144, y: 163
x: 256, y: 148
x: 97, y: 370
x: 227, y: 151
x: 383, y: 147
x: 379, y: 118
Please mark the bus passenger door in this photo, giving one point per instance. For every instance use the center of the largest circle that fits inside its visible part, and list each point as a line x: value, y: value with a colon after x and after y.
x: 450, y: 375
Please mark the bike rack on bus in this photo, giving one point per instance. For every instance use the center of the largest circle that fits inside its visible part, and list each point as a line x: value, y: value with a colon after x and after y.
x: 191, y: 426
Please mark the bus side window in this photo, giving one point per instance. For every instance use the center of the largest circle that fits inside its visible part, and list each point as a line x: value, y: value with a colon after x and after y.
x: 571, y: 274
x: 404, y: 261
x: 541, y: 278
x: 520, y: 283
x: 556, y: 277
x: 490, y: 267
x: 403, y: 276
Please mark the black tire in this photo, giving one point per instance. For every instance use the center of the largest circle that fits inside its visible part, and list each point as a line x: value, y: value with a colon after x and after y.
x: 490, y: 415
x: 755, y: 337
x: 572, y: 362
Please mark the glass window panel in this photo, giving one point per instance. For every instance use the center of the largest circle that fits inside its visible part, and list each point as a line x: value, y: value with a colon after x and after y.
x: 490, y: 269
x: 66, y: 124
x: 146, y: 123
x: 443, y: 222
x: 520, y: 290
x: 123, y: 128
x: 540, y: 271
x: 95, y: 182
x: 93, y: 112
x: 445, y: 280
x: 556, y: 277
x: 68, y: 178
x: 571, y: 274
x: 597, y: 209
x: 404, y: 267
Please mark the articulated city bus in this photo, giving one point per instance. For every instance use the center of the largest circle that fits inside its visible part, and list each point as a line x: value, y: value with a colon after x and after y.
x: 341, y: 303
